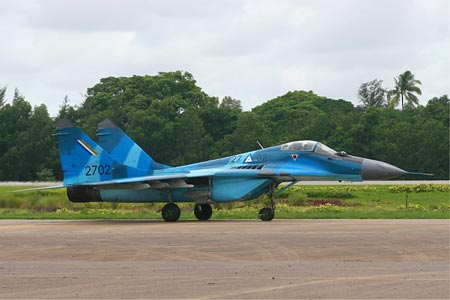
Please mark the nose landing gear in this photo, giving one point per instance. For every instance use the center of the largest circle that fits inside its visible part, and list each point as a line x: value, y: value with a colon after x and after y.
x: 268, y: 213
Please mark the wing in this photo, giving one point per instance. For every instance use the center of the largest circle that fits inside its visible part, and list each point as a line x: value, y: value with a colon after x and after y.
x: 161, y: 180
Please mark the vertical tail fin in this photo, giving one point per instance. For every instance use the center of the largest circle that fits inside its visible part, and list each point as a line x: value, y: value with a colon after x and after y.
x: 123, y: 149
x: 83, y: 161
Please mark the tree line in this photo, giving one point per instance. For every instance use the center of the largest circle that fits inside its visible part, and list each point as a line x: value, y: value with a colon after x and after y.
x: 176, y: 122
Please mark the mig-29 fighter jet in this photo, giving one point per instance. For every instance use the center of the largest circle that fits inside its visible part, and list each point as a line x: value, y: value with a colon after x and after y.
x: 118, y: 170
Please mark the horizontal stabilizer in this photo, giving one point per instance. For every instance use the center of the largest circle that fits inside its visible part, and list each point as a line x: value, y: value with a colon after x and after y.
x: 40, y: 188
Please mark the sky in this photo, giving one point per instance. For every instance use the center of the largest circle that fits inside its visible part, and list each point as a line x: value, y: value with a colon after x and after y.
x: 252, y: 50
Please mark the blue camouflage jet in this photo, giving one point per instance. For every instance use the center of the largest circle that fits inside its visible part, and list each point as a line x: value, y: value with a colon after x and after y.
x: 118, y: 170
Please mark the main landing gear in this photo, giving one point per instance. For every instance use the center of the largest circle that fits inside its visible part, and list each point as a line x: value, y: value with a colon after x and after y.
x: 268, y: 213
x: 203, y: 211
x: 171, y: 212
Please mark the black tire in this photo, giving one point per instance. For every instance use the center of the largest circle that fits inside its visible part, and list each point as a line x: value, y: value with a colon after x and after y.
x: 171, y: 212
x: 266, y: 214
x: 203, y: 211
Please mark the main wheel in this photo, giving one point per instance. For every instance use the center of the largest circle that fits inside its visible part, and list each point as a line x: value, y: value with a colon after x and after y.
x: 266, y: 214
x: 203, y: 211
x: 171, y: 212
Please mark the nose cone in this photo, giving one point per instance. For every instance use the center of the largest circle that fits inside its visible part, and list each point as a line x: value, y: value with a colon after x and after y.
x: 376, y: 170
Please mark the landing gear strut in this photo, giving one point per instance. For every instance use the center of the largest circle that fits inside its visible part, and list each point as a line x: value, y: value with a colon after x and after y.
x: 203, y: 211
x: 268, y: 213
x: 170, y: 212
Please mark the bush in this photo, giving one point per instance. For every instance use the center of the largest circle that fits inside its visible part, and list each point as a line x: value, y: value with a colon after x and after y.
x: 413, y: 207
x: 326, y: 208
x: 419, y: 188
x: 330, y: 194
x: 335, y: 202
x: 45, y: 175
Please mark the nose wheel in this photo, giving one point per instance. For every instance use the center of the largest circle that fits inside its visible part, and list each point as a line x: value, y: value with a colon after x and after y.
x: 268, y: 213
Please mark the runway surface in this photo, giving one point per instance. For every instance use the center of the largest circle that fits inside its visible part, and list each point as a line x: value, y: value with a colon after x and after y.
x: 281, y: 259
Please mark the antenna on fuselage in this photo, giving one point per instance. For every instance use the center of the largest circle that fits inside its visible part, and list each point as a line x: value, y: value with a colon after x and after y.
x: 260, y: 144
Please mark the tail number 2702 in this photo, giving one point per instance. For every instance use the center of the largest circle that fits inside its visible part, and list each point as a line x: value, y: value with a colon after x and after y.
x: 92, y: 170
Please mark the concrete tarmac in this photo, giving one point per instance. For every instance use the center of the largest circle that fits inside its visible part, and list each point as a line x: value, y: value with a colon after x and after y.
x: 282, y: 259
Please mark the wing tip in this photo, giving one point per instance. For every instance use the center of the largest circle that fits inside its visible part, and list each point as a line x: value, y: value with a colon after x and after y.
x: 40, y: 188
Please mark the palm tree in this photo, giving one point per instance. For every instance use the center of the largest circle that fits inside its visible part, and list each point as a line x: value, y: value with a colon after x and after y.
x: 405, y: 88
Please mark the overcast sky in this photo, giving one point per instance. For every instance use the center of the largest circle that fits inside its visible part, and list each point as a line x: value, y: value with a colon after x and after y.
x: 250, y: 50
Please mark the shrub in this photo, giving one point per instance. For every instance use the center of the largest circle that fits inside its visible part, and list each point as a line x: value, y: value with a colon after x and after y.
x: 335, y: 202
x: 326, y: 208
x: 329, y: 193
x: 419, y: 188
x: 413, y: 207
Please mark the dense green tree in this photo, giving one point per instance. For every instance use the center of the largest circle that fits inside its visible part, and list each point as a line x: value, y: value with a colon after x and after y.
x: 167, y: 94
x: 372, y: 94
x: 25, y: 140
x: 2, y: 96
x: 66, y: 111
x: 220, y: 121
x: 249, y: 130
x: 405, y: 89
x: 422, y: 151
x: 438, y: 108
x: 190, y: 139
x: 304, y: 115
x: 231, y: 103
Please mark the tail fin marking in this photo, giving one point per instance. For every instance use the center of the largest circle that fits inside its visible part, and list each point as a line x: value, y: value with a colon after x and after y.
x: 87, y: 147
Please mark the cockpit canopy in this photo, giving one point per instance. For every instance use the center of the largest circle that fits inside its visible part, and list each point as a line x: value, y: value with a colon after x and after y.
x: 311, y: 146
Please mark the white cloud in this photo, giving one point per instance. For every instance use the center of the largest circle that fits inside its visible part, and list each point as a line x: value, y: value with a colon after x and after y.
x: 251, y: 50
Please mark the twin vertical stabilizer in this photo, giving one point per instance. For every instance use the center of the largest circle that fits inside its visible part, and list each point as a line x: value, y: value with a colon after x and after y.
x: 122, y: 148
x: 83, y: 161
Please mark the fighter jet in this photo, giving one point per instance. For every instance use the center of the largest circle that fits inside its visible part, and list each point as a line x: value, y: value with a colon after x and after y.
x: 118, y: 170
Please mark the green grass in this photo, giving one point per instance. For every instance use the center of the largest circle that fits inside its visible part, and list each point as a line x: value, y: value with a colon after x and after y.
x: 299, y: 202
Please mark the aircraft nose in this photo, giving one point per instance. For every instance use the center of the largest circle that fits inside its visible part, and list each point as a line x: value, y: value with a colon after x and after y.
x: 375, y: 170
